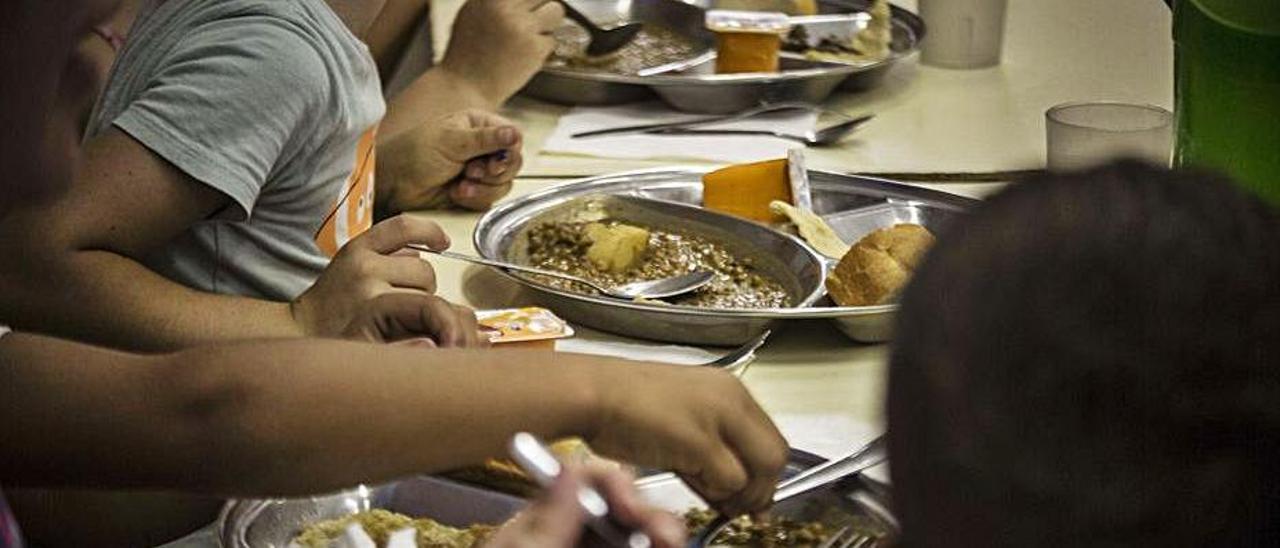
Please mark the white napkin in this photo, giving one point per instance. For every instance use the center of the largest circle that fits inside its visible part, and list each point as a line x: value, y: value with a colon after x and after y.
x: 726, y: 149
x: 678, y: 355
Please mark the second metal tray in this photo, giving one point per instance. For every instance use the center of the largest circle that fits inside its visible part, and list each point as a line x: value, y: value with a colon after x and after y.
x: 273, y: 523
x: 697, y: 89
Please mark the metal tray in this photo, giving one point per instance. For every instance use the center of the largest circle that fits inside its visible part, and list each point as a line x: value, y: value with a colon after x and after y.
x: 853, y: 205
x: 502, y: 234
x: 272, y: 523
x: 697, y: 89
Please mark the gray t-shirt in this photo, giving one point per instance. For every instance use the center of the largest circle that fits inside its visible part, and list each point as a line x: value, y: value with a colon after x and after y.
x: 273, y: 103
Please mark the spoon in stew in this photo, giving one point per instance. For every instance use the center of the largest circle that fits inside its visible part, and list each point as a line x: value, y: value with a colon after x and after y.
x: 602, y: 40
x: 648, y: 289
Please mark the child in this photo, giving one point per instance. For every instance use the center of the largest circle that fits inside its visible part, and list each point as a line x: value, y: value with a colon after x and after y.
x: 1091, y: 359
x: 293, y: 417
x: 230, y: 161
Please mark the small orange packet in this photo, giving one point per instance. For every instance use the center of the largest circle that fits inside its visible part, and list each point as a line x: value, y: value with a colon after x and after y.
x: 523, y: 325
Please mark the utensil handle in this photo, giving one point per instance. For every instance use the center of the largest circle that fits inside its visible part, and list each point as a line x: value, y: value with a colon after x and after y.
x: 578, y: 17
x: 742, y: 352
x: 500, y: 264
x: 865, y: 457
x: 758, y: 132
x: 695, y: 122
x: 538, y: 461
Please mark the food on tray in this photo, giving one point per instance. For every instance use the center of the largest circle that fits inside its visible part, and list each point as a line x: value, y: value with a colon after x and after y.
x: 878, y: 265
x: 747, y: 41
x: 782, y: 531
x: 745, y: 190
x: 744, y: 531
x: 653, y: 46
x: 381, y: 524
x: 616, y: 248
x: 868, y: 45
x: 813, y: 229
x: 563, y: 246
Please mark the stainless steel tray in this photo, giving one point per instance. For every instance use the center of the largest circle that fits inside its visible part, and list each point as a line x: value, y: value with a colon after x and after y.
x: 853, y: 205
x: 697, y: 89
x: 501, y: 234
x: 272, y: 523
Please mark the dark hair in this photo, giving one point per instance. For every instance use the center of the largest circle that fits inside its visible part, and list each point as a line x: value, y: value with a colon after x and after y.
x: 1091, y: 359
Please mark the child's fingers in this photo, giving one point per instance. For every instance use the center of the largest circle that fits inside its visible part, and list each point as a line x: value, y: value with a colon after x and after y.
x: 618, y: 487
x: 417, y: 342
x: 548, y: 17
x: 507, y: 164
x: 397, y: 232
x: 494, y: 169
x: 404, y: 272
x: 555, y: 519
x: 466, y: 144
x: 477, y: 196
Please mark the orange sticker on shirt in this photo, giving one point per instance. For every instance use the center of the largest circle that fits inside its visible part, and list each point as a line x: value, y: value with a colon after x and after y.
x: 353, y: 212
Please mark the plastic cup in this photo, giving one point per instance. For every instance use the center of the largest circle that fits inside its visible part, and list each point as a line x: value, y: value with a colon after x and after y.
x: 962, y: 34
x: 1081, y: 135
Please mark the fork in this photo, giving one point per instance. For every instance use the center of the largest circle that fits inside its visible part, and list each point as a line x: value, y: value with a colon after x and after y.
x: 736, y: 362
x: 826, y: 136
x: 848, y: 537
x: 871, y: 454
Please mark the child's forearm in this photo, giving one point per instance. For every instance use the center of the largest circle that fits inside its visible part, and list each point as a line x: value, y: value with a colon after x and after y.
x: 105, y: 298
x: 304, y: 416
x: 267, y: 418
x: 439, y: 91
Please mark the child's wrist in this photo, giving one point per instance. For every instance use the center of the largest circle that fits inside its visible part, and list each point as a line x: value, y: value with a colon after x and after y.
x: 470, y: 84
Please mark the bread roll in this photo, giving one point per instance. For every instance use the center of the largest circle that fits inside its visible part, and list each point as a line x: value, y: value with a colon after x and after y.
x: 876, y: 268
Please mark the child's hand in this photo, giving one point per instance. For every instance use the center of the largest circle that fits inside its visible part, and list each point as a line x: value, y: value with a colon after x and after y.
x: 701, y: 423
x: 412, y: 318
x: 555, y: 520
x: 468, y: 159
x: 498, y: 45
x: 374, y: 291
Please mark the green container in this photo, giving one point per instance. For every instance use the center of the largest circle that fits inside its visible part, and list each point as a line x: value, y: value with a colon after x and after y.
x: 1227, y: 78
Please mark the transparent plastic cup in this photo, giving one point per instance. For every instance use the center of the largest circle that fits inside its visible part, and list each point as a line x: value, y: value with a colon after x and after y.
x: 962, y: 34
x: 1081, y: 135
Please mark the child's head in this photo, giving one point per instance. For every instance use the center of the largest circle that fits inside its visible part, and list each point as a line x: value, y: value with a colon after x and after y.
x: 1093, y: 359
x: 48, y: 89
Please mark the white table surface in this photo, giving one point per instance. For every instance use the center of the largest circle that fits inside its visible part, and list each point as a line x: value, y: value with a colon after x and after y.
x: 984, y: 123
x: 825, y: 391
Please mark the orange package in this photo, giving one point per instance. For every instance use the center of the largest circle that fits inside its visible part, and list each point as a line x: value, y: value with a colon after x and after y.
x: 529, y: 326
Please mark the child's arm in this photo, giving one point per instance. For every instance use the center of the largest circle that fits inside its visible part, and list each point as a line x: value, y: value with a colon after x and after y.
x: 75, y: 270
x: 396, y: 24
x: 307, y: 416
x: 495, y: 47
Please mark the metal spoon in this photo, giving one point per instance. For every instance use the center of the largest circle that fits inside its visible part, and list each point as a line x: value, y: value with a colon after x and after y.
x: 829, y: 135
x: 824, y: 474
x: 602, y: 41
x: 648, y: 289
